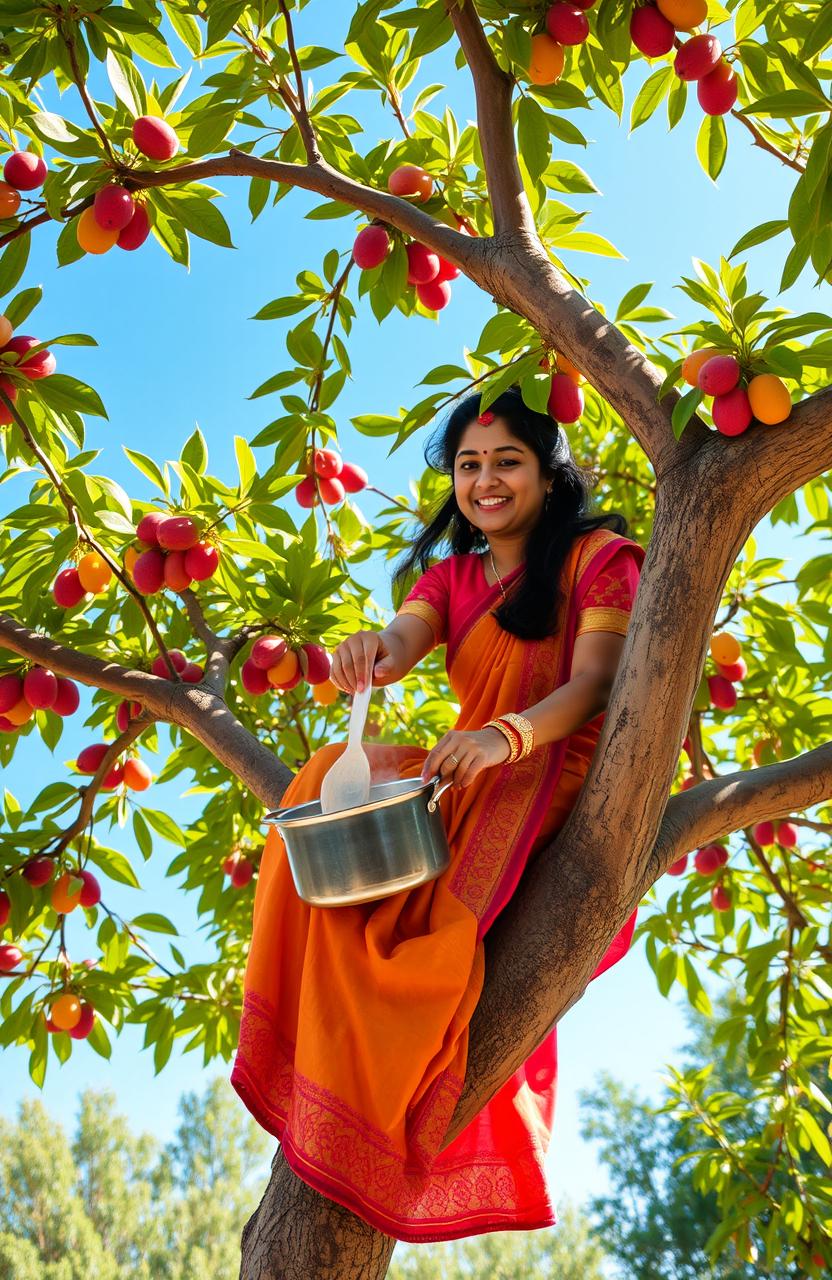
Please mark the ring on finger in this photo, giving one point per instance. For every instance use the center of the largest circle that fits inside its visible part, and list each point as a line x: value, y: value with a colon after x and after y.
x: 455, y: 760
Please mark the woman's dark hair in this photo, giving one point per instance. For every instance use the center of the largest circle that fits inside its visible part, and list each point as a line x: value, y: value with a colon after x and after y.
x: 531, y: 610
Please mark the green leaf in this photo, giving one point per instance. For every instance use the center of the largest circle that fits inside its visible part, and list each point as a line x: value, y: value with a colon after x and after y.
x: 712, y: 145
x: 22, y: 305
x: 154, y: 923
x: 166, y: 827
x: 684, y: 409
x: 757, y: 235
x: 246, y: 464
x: 791, y: 102
x: 195, y: 452
x: 13, y: 262
x: 61, y: 392
x: 127, y: 83
x: 148, y: 468
x: 143, y: 837
x: 533, y: 136
x: 197, y: 214
x: 654, y: 90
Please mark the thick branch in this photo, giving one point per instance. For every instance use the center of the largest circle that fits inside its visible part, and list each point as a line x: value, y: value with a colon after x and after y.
x: 767, y: 463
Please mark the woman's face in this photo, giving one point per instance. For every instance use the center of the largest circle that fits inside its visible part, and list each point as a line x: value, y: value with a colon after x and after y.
x: 498, y: 482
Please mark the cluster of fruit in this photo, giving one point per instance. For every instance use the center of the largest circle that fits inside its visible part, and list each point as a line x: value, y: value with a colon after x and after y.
x: 170, y: 553
x: 23, y: 171
x: 653, y: 29
x: 239, y: 869
x: 273, y: 665
x: 37, y: 690
x: 708, y: 860
x: 719, y: 690
x: 13, y: 354
x: 91, y: 575
x: 566, y: 24
x: 783, y: 833
x: 115, y: 217
x: 327, y: 476
x: 190, y: 672
x: 737, y: 398
x: 566, y: 400
x: 133, y: 774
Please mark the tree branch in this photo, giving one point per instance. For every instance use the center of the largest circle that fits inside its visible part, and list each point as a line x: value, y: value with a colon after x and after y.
x: 68, y: 38
x: 301, y: 114
x: 92, y: 788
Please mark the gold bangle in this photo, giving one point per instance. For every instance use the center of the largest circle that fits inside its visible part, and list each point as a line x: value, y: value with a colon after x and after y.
x: 514, y: 746
x: 524, y: 728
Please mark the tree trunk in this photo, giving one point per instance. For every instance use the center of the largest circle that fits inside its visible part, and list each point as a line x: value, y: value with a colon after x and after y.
x: 297, y: 1234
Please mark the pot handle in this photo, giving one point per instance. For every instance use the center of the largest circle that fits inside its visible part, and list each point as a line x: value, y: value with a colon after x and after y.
x: 439, y: 789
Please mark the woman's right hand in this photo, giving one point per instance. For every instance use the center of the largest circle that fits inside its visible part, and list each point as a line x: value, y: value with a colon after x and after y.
x: 362, y: 659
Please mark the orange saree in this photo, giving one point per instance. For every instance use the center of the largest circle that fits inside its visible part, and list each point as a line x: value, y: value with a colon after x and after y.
x: 354, y: 1034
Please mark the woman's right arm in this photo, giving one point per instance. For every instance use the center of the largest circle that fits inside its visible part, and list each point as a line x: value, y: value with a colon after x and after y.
x: 381, y: 656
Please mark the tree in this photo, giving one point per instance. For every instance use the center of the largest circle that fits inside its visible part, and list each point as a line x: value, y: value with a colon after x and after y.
x: 111, y: 1205
x: 487, y: 201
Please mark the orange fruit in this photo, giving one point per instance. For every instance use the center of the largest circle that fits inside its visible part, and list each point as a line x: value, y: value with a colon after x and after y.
x: 725, y: 648
x: 20, y: 712
x: 136, y: 774
x: 61, y: 899
x: 92, y: 237
x: 94, y: 572
x: 284, y: 670
x: 131, y: 555
x: 324, y: 693
x: 6, y: 330
x: 771, y: 400
x: 694, y: 362
x: 684, y: 14
x: 572, y: 371
x: 9, y: 200
x: 546, y: 64
x: 66, y: 1011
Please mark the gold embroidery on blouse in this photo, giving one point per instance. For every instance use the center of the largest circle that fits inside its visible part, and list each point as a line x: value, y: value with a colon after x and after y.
x: 421, y: 609
x: 603, y: 620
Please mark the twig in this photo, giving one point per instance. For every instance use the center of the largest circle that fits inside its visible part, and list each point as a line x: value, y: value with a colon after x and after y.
x: 304, y: 124
x: 90, y: 791
x: 760, y: 141
x: 69, y: 41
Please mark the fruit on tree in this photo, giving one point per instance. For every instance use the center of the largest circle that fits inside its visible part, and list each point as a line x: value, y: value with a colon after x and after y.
x: 566, y: 400
x: 353, y: 478
x: 763, y: 833
x: 38, y: 365
x: 710, y: 858
x: 67, y: 698
x: 6, y: 726
x: 285, y: 669
x: 546, y: 63
x: 94, y: 573
x: 718, y: 91
x: 241, y: 871
x: 6, y: 332
x: 176, y: 573
x: 125, y: 712
x: 137, y: 775
x: 5, y: 908
x: 770, y: 398
x: 20, y: 713
x: 725, y: 648
x: 732, y: 412
x: 267, y: 651
x: 24, y: 170
x: 331, y: 491
x: 719, y: 375
x: 255, y: 679
x: 694, y: 362
x: 159, y: 666
x: 447, y: 270
x: 61, y: 898
x: 697, y: 57
x: 90, y: 757
x: 40, y: 688
x: 193, y: 673
x: 11, y: 691
x: 91, y: 892
x: 410, y: 180
x: 147, y: 530
x: 650, y: 32
x: 766, y: 750
x: 85, y: 1023
x: 679, y: 867
x: 10, y: 957
x: 177, y: 533
x: 787, y: 835
x: 325, y: 693
x: 202, y: 561
x: 91, y: 236
x: 66, y: 1011
x: 307, y: 493
x: 435, y: 295
x: 422, y: 264
x: 315, y: 663
x: 733, y: 671
x: 721, y: 898
x: 565, y: 366
x: 684, y: 14
x: 113, y: 207
x: 327, y: 464
x: 149, y: 571
x: 114, y: 778
x: 137, y: 230
x: 155, y: 138
x: 567, y: 23
x: 722, y: 693
x: 371, y: 247
x: 39, y: 871
x: 9, y: 200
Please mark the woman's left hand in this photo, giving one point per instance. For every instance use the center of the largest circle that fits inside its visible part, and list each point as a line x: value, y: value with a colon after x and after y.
x: 464, y: 755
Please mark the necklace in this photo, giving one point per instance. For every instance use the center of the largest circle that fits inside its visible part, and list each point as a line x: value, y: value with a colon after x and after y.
x: 496, y: 574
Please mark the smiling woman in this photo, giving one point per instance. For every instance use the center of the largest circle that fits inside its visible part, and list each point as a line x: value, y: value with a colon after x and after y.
x: 354, y: 1035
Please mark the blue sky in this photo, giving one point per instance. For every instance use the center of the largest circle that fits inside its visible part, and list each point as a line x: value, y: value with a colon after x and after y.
x: 178, y: 348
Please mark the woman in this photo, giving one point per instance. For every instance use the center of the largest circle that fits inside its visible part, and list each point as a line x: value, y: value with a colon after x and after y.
x: 355, y: 1022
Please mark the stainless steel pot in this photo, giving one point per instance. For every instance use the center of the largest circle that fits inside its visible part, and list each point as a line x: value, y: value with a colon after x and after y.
x: 395, y: 841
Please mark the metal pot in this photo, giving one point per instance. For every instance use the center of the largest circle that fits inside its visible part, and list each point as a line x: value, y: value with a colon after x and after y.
x: 396, y: 841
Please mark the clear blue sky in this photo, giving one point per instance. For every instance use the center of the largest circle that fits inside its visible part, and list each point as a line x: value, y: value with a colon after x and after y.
x: 178, y: 349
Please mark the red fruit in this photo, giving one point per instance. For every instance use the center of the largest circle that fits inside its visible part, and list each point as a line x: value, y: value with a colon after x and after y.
x: 331, y: 491
x: 176, y: 574
x: 787, y: 835
x: 651, y: 33
x: 679, y: 867
x: 422, y: 263
x: 315, y: 663
x: 732, y: 413
x: 10, y: 391
x: 566, y: 23
x: 720, y: 898
x: 67, y: 699
x: 39, y: 871
x: 125, y: 712
x: 267, y: 651
x: 371, y: 247
x: 40, y: 365
x: 5, y: 908
x: 719, y: 375
x: 306, y: 492
x: 353, y: 478
x: 733, y: 671
x: 149, y: 571
x: 90, y: 758
x: 710, y: 858
x: 566, y: 400
x: 228, y: 864
x: 6, y: 726
x: 10, y: 957
x: 91, y: 892
x: 159, y: 666
x: 193, y: 673
x: 137, y: 776
x: 722, y: 693
x: 137, y: 230
x: 686, y: 747
x: 177, y: 533
x: 327, y: 464
x: 690, y: 781
x: 11, y: 691
x: 763, y: 833
x: 435, y: 295
x: 241, y: 872
x: 40, y: 688
x: 85, y: 1023
x: 202, y: 561
x: 410, y: 180
x: 447, y: 270
x: 254, y: 678
x: 718, y: 91
x: 113, y: 207
x: 24, y: 170
x: 113, y: 779
x: 697, y: 57
x: 155, y: 138
x: 147, y: 530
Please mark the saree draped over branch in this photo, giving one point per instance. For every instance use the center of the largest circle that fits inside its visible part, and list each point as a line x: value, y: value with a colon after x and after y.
x: 354, y: 1033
